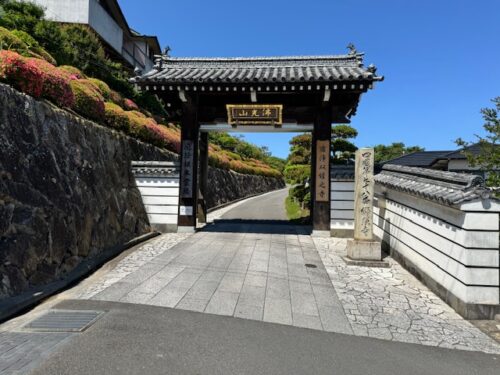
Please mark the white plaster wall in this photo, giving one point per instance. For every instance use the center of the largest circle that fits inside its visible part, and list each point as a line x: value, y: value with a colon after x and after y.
x: 105, y: 26
x: 342, y: 204
x: 160, y: 196
x: 70, y: 11
x: 458, y: 249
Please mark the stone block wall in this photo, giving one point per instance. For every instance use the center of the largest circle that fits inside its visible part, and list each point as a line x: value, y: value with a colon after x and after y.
x: 66, y: 191
x: 226, y: 186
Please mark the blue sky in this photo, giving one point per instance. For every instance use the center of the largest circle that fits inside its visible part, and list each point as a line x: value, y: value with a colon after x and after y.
x: 440, y: 58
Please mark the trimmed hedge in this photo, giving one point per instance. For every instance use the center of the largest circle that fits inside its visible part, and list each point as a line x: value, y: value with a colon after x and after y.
x: 93, y: 99
x: 89, y: 101
x: 36, y: 77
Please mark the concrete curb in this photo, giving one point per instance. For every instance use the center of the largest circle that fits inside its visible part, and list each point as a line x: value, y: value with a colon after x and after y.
x: 15, y: 305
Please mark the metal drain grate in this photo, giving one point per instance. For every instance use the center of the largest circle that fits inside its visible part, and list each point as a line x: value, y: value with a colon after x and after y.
x: 310, y: 265
x: 64, y: 321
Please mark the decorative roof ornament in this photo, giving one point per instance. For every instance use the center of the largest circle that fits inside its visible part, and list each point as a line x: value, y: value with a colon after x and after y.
x: 352, y: 49
x: 372, y: 68
x: 166, y: 51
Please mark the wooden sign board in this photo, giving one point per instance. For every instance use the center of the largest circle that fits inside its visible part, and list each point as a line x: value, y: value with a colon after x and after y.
x: 322, y: 171
x: 255, y: 114
x: 187, y: 170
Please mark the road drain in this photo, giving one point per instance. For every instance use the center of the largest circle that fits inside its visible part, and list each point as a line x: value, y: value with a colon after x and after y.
x: 64, y: 321
x: 309, y: 265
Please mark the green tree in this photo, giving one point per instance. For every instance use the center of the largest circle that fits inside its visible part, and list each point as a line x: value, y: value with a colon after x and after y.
x: 342, y: 148
x: 394, y: 150
x: 488, y: 158
x: 20, y: 15
x: 298, y: 169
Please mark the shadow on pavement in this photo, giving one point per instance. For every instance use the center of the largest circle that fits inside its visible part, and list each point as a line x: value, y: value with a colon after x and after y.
x: 257, y: 226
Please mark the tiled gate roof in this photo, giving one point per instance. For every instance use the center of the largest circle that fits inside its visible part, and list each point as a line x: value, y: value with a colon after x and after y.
x: 237, y: 70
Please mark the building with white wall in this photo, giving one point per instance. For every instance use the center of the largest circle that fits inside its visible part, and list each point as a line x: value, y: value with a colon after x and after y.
x: 107, y: 20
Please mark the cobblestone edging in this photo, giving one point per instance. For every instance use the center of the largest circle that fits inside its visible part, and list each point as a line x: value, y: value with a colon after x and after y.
x: 391, y: 304
x: 133, y: 262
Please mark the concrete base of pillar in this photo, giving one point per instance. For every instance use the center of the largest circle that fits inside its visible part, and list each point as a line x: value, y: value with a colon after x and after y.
x: 321, y: 233
x: 184, y: 229
x: 364, y: 250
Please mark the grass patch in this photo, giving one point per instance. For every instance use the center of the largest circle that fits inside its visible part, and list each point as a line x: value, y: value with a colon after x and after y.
x: 294, y: 212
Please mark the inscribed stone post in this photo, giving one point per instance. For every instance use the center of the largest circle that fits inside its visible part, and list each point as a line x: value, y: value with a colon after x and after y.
x: 363, y: 247
x: 363, y: 195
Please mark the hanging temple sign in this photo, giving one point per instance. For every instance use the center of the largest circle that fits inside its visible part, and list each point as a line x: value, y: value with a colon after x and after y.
x: 254, y: 114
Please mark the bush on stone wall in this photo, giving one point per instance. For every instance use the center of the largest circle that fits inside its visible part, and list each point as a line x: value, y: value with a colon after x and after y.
x: 21, y: 73
x: 35, y: 77
x: 89, y: 101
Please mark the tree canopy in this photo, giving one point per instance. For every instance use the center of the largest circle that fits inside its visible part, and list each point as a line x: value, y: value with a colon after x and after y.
x: 489, y: 155
x: 394, y: 150
x: 342, y: 148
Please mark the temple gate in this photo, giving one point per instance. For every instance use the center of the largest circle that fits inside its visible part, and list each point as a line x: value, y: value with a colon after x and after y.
x: 296, y: 94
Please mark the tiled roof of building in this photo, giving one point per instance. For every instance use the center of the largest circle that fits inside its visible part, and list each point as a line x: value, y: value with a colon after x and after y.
x: 444, y: 187
x: 474, y: 149
x: 337, y: 68
x: 419, y: 158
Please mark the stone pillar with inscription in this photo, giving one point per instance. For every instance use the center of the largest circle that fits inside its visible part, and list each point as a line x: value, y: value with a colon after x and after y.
x: 364, y: 246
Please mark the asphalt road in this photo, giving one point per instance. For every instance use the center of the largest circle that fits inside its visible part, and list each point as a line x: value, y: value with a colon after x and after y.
x: 140, y: 339
x: 270, y: 206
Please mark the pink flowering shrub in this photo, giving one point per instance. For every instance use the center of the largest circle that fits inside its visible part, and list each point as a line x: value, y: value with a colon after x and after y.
x: 56, y: 86
x: 35, y: 77
x: 171, y: 139
x: 21, y: 73
x: 130, y: 105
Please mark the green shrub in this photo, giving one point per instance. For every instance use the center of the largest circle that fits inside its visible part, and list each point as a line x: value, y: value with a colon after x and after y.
x: 21, y: 15
x: 34, y: 46
x: 296, y: 174
x: 50, y: 36
x: 88, y: 100
x: 72, y: 72
x: 116, y: 117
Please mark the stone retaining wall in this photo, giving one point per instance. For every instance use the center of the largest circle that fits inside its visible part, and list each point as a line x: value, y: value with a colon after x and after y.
x: 66, y: 191
x: 227, y: 186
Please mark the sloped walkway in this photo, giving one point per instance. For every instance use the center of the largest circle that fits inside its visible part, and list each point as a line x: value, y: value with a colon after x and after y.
x: 248, y: 270
x: 258, y: 271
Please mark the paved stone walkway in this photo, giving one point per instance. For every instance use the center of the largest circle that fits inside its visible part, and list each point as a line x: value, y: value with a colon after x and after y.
x: 252, y: 271
x: 257, y: 271
x: 391, y: 304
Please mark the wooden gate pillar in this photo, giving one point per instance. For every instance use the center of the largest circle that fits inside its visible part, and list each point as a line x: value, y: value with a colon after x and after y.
x: 202, y: 215
x: 188, y: 194
x: 320, y: 174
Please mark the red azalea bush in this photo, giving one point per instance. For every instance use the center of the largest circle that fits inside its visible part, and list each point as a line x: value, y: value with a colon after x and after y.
x: 35, y: 77
x: 56, y: 86
x: 21, y: 73
x: 88, y: 100
x: 171, y: 138
x: 130, y: 105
